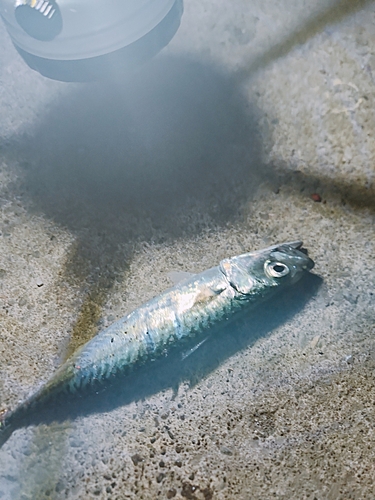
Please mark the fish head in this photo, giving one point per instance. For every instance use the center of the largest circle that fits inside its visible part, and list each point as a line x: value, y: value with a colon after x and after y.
x: 272, y: 267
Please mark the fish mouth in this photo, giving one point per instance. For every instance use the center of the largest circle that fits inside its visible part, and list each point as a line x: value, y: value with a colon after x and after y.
x: 294, y: 251
x: 297, y: 245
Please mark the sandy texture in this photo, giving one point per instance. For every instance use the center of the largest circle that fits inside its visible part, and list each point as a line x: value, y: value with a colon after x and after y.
x: 213, y: 149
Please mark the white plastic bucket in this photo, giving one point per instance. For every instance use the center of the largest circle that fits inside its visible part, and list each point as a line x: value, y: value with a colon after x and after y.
x: 83, y: 39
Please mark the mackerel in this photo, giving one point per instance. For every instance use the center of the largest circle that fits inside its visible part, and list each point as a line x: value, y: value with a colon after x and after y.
x: 189, y: 309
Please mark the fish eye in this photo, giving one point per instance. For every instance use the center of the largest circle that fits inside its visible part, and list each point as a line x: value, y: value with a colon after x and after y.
x: 276, y: 269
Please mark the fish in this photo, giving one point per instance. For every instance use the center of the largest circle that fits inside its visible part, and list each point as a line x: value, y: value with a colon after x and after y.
x: 186, y: 311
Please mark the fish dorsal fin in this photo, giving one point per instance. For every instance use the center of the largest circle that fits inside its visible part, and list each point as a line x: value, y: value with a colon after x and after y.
x: 179, y: 276
x: 237, y: 276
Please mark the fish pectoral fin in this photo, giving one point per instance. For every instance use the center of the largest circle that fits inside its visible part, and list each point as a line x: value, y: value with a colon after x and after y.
x: 178, y: 276
x: 206, y: 294
x: 187, y: 353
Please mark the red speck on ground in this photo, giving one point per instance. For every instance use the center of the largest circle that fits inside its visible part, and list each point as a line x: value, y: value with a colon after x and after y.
x: 316, y: 197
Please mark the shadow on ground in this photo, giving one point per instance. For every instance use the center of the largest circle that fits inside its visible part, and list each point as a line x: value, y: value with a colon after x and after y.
x: 115, y: 164
x: 357, y: 196
x: 164, y: 155
x: 317, y: 23
x: 172, y: 151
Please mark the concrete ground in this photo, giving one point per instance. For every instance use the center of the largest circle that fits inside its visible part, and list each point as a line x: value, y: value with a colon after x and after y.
x: 213, y: 149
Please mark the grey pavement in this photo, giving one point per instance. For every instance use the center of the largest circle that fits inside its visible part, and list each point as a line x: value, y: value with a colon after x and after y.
x: 254, y: 126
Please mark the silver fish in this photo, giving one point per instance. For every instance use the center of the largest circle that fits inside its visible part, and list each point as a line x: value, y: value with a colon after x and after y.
x: 188, y: 309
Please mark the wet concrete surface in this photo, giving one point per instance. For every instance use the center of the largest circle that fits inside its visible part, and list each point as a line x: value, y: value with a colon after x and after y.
x: 213, y: 149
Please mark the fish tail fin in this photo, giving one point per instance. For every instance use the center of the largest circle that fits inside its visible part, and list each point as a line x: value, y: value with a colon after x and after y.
x: 6, y: 427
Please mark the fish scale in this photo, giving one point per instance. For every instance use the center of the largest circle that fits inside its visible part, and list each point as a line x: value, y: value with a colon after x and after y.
x: 183, y: 312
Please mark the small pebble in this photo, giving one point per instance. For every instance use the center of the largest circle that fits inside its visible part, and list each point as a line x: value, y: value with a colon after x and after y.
x: 136, y: 458
x: 349, y: 359
x: 314, y: 341
x: 170, y: 434
x: 39, y: 282
x: 160, y: 477
x: 316, y: 197
x: 225, y: 450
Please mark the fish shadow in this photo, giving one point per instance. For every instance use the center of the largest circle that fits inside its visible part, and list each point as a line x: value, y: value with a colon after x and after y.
x: 170, y: 371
